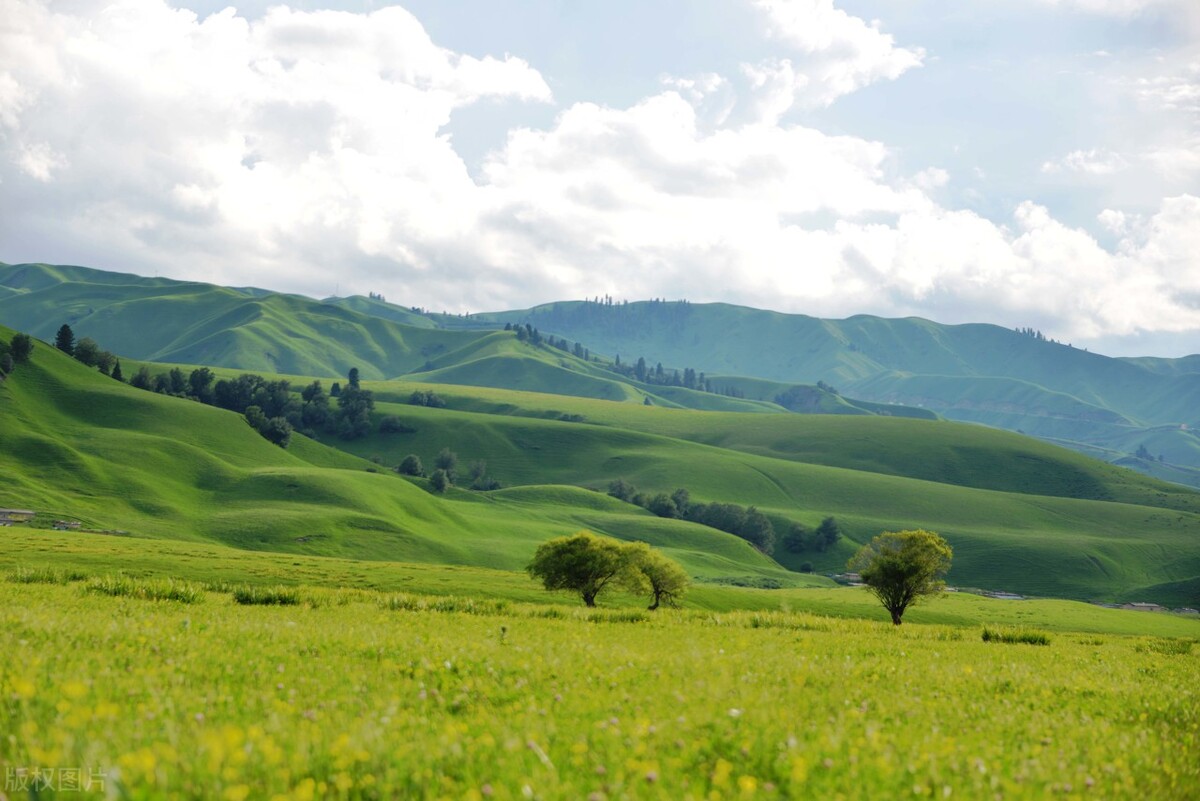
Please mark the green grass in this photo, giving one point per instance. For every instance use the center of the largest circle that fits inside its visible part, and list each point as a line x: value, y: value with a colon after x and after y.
x: 1014, y: 636
x: 217, y: 700
x: 250, y: 595
x: 163, y: 589
x: 322, y: 580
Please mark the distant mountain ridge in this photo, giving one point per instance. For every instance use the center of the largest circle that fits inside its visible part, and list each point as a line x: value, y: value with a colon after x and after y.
x: 1120, y: 409
x: 974, y: 372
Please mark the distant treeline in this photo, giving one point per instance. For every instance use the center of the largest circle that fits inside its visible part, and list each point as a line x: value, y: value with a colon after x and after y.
x: 746, y: 522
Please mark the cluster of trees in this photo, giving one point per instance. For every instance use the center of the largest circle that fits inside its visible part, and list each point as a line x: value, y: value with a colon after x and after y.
x: 746, y: 522
x: 426, y: 398
x: 445, y: 471
x: 270, y: 407
x: 527, y: 333
x: 1144, y: 453
x: 87, y: 351
x: 17, y: 350
x: 376, y: 296
x: 641, y: 371
x: 801, y: 538
x: 590, y: 565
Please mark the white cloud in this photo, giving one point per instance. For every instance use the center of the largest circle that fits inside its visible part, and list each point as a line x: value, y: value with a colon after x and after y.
x: 835, y: 54
x: 309, y: 148
x: 1116, y: 8
x: 241, y: 141
x: 1090, y: 162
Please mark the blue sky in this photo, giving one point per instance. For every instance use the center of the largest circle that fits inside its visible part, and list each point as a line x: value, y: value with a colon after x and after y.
x: 1021, y: 162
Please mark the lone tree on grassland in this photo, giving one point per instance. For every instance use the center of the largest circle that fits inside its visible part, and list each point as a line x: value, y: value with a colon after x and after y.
x: 901, y: 567
x: 662, y: 577
x: 589, y: 565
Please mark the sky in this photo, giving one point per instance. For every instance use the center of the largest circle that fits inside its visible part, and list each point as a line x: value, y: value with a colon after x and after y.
x: 1028, y: 163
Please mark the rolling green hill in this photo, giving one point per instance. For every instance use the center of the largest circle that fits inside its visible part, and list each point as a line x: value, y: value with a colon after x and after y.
x: 76, y: 444
x: 79, y: 444
x: 978, y: 373
x: 163, y: 320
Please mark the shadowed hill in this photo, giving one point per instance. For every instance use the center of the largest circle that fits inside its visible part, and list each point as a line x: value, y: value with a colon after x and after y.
x: 77, y: 444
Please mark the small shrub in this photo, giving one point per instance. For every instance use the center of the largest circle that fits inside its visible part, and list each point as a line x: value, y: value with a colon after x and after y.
x: 266, y: 596
x: 1014, y: 636
x: 44, y: 575
x: 403, y: 602
x: 146, y: 589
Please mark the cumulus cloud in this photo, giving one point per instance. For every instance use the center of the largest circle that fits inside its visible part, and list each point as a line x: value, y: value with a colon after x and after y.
x: 1116, y: 8
x: 1090, y: 162
x: 238, y: 140
x: 309, y: 148
x: 835, y: 54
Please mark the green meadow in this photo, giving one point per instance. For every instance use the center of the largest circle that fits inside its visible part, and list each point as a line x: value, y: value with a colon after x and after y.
x: 374, y: 695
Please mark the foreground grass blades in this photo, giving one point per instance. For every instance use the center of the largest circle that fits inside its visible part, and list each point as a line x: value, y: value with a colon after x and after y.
x: 368, y: 699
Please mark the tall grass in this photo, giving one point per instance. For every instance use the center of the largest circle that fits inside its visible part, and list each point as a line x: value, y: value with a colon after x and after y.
x: 1019, y: 635
x: 146, y: 589
x: 250, y: 595
x: 44, y: 575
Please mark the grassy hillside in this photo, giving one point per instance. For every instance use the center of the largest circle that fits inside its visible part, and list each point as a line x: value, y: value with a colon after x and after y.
x: 979, y: 373
x: 251, y: 329
x: 193, y: 323
x: 77, y: 444
x: 1098, y: 547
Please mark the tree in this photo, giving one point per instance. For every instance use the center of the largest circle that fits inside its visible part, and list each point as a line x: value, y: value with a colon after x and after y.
x: 758, y: 531
x: 87, y: 352
x: 662, y: 505
x: 314, y: 413
x: 141, y: 379
x: 255, y: 417
x: 901, y: 567
x: 797, y: 539
x: 662, y: 577
x: 116, y: 371
x: 622, y: 490
x: 582, y: 563
x: 105, y: 361
x: 178, y: 382
x: 354, y: 409
x: 277, y: 430
x: 440, y: 480
x: 682, y: 499
x: 447, y: 461
x: 200, y: 384
x: 22, y: 347
x: 411, y: 466
x: 64, y: 340
x: 828, y: 533
x: 6, y: 363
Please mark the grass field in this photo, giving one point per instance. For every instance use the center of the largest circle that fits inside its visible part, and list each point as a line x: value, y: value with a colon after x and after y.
x: 355, y: 695
x: 85, y: 446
